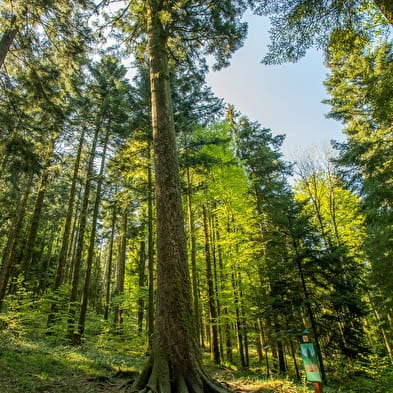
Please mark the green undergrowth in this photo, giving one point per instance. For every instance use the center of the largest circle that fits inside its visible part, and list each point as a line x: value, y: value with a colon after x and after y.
x: 32, y: 364
x: 31, y: 361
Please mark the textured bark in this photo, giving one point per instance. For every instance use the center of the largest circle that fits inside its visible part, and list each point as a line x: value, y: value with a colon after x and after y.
x: 150, y: 250
x: 92, y: 241
x: 175, y: 363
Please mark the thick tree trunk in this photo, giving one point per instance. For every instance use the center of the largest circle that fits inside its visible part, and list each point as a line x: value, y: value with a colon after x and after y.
x: 92, y: 241
x: 150, y: 250
x: 175, y: 363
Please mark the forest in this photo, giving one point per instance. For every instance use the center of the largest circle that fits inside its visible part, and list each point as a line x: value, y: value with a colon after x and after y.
x: 154, y: 239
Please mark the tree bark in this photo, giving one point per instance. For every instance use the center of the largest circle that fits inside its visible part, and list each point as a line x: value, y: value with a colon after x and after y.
x: 5, y: 43
x: 150, y: 250
x: 175, y: 363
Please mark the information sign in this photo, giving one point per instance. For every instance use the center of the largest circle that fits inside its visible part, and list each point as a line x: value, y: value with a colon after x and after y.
x: 310, y: 362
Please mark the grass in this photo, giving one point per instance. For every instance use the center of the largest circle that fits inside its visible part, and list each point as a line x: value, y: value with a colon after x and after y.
x: 32, y: 362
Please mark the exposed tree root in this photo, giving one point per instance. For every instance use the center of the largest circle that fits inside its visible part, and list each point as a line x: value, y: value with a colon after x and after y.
x: 159, y: 376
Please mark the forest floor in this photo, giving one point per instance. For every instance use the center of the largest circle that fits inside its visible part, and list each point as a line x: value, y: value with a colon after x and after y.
x: 35, y: 363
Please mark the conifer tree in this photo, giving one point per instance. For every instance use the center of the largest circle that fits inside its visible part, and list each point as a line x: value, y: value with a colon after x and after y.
x: 186, y: 31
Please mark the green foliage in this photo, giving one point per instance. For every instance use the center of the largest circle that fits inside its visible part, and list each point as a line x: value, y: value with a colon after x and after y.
x: 193, y: 30
x: 298, y: 25
x: 360, y: 88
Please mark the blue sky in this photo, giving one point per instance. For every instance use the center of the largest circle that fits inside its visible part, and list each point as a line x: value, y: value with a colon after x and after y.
x: 285, y: 98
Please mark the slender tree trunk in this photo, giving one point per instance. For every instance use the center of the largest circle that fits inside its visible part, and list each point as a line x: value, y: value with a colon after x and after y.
x: 192, y: 242
x: 13, y: 240
x: 382, y: 329
x: 175, y: 362
x: 110, y: 263
x: 213, y: 233
x: 92, y: 241
x: 239, y: 327
x: 120, y: 274
x: 264, y: 345
x: 80, y: 242
x: 47, y: 262
x: 223, y: 276
x: 243, y: 325
x: 141, y: 284
x: 215, y: 352
x: 73, y: 243
x: 67, y: 238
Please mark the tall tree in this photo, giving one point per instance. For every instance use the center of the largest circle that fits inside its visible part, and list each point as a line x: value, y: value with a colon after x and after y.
x: 186, y: 30
x: 360, y: 88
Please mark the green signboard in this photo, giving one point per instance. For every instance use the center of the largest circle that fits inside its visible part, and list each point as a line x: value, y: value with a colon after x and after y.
x: 310, y: 362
